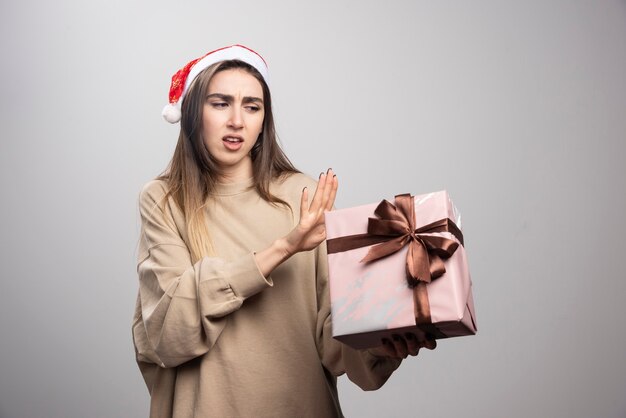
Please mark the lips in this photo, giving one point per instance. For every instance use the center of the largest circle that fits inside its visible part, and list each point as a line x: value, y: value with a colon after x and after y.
x: 232, y: 142
x: 232, y: 139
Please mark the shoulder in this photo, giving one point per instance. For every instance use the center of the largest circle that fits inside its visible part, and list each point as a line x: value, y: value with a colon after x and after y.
x: 152, y: 198
x: 153, y: 191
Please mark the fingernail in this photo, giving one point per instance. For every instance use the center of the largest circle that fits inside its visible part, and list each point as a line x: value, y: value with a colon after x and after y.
x: 321, y: 174
x: 334, y: 175
x: 303, y: 189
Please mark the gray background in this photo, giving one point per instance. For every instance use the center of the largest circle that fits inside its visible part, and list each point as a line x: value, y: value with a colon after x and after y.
x: 517, y: 108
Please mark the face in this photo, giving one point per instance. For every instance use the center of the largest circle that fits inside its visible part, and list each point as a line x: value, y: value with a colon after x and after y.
x: 232, y: 119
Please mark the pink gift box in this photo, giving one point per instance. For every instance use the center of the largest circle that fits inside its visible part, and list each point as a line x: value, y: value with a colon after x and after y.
x: 373, y: 300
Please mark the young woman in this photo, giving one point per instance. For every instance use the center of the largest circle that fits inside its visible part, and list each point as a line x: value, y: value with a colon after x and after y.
x: 233, y: 317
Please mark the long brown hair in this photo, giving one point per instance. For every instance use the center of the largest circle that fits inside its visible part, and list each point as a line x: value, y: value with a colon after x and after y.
x: 192, y: 173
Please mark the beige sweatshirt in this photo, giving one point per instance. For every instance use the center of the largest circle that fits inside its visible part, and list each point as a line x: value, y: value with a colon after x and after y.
x: 216, y: 338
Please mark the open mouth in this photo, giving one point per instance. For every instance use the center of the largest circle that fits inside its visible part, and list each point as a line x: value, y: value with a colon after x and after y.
x: 232, y: 143
x: 232, y: 139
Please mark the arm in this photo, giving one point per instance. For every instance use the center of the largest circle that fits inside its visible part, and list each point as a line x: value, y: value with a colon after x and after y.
x: 182, y: 306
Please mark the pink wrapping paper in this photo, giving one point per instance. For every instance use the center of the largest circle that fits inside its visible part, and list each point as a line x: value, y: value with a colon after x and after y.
x: 371, y: 301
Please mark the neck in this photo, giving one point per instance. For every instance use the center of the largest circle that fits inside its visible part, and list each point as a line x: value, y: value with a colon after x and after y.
x: 238, y: 173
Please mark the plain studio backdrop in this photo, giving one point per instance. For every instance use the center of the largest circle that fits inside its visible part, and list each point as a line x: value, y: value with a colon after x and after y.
x: 518, y: 109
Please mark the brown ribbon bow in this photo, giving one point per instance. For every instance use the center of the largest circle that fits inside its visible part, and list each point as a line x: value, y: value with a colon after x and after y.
x: 424, y: 258
x: 393, y: 229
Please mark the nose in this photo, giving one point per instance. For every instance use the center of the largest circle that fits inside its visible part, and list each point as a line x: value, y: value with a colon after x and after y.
x: 236, y: 120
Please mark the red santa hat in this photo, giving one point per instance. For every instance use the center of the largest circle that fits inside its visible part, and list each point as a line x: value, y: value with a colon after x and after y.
x: 185, y: 76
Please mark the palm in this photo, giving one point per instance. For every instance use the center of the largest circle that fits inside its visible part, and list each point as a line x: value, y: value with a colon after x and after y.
x: 311, y: 231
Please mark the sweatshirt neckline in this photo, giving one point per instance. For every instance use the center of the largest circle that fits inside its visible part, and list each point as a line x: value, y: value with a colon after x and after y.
x: 230, y: 189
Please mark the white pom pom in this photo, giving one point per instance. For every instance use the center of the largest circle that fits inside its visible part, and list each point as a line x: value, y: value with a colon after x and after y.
x: 171, y: 113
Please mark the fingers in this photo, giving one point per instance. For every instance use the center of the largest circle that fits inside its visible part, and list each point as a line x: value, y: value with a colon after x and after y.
x: 324, y: 197
x: 400, y: 345
x: 403, y: 346
x: 333, y: 193
x: 319, y: 193
x: 386, y: 349
x: 413, y: 346
x: 304, y: 202
x: 425, y: 340
x: 430, y: 344
x: 328, y: 189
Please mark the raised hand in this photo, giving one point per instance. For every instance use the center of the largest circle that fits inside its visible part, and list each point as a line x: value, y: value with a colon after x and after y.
x: 311, y: 230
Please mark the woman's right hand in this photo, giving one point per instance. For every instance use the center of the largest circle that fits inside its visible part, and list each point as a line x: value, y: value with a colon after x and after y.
x: 311, y: 229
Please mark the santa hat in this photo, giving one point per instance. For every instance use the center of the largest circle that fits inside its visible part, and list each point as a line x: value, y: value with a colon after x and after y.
x: 185, y: 76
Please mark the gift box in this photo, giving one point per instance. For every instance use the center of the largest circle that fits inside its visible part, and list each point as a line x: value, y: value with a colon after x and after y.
x: 397, y: 267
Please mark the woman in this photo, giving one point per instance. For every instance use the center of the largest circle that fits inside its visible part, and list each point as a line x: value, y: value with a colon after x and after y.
x: 232, y: 317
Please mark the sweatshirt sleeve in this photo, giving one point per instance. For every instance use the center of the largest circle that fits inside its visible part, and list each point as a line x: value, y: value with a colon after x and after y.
x: 182, y: 307
x: 364, y: 369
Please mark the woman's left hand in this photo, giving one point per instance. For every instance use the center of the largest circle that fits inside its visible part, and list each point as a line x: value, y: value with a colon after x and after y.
x: 402, y: 346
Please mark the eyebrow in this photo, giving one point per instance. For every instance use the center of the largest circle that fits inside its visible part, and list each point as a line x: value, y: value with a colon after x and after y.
x: 229, y: 99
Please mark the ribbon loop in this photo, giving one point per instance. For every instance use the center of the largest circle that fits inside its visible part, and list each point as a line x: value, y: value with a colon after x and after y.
x: 386, y: 210
x: 442, y: 246
x: 396, y: 227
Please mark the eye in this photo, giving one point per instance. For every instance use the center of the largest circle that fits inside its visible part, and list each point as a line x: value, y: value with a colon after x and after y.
x: 252, y: 108
x: 219, y: 105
